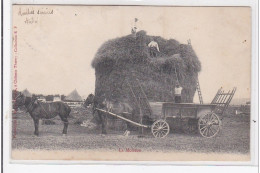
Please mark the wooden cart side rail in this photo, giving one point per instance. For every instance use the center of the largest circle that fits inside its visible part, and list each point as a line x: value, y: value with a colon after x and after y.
x: 120, y: 117
x: 229, y: 99
x: 216, y: 96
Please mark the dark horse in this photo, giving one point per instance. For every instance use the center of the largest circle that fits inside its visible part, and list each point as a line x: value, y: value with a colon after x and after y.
x: 38, y: 110
x: 119, y: 108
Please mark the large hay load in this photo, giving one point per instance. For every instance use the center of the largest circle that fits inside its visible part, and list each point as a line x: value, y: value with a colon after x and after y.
x: 121, y: 60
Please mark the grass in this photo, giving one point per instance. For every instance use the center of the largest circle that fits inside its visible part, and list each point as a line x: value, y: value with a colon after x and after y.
x: 233, y: 138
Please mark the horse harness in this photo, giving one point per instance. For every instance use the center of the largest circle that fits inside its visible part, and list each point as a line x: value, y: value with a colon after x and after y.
x: 45, y: 110
x: 30, y: 106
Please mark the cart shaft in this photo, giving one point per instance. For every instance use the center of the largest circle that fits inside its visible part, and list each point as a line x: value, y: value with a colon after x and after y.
x: 120, y: 117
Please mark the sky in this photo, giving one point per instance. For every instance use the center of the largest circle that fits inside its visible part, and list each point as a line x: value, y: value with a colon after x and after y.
x: 55, y: 50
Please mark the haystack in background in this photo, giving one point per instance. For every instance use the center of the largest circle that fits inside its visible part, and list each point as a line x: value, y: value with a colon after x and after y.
x: 26, y: 93
x: 73, y: 97
x: 121, y: 60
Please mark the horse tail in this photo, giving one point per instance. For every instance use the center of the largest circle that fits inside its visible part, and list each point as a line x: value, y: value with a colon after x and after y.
x: 64, y: 109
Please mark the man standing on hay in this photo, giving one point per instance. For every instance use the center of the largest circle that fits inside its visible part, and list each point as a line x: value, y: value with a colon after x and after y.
x: 136, y: 26
x: 153, y: 48
x: 177, y: 92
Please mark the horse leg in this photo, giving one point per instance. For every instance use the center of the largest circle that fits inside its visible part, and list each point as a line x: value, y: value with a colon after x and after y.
x: 65, y: 129
x: 64, y: 114
x: 36, y: 126
x: 66, y: 124
x: 127, y: 130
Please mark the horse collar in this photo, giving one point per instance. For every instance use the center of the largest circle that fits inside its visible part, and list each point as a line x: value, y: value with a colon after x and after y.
x: 30, y: 105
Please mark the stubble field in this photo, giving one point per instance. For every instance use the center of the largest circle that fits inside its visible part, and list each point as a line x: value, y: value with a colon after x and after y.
x: 234, y: 137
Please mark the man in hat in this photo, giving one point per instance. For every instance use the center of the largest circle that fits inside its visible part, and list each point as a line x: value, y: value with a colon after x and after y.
x: 136, y: 25
x: 177, y: 93
x: 153, y: 48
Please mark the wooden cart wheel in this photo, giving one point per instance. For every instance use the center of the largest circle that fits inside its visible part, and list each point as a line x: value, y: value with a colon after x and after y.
x: 209, y: 125
x: 160, y: 129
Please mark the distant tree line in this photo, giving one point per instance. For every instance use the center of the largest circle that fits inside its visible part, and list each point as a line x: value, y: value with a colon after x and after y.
x: 47, y: 97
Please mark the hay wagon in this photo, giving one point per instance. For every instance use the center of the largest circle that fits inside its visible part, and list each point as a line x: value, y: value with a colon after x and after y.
x: 208, y: 122
x: 190, y: 117
x: 205, y: 117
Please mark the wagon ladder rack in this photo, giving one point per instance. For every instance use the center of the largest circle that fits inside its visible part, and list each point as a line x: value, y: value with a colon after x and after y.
x: 222, y: 100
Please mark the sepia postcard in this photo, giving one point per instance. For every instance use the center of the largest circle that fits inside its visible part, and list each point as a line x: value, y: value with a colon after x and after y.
x: 131, y: 83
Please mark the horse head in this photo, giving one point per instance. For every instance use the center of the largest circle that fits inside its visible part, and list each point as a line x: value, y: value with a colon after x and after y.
x: 22, y: 100
x: 19, y: 100
x: 89, y: 100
